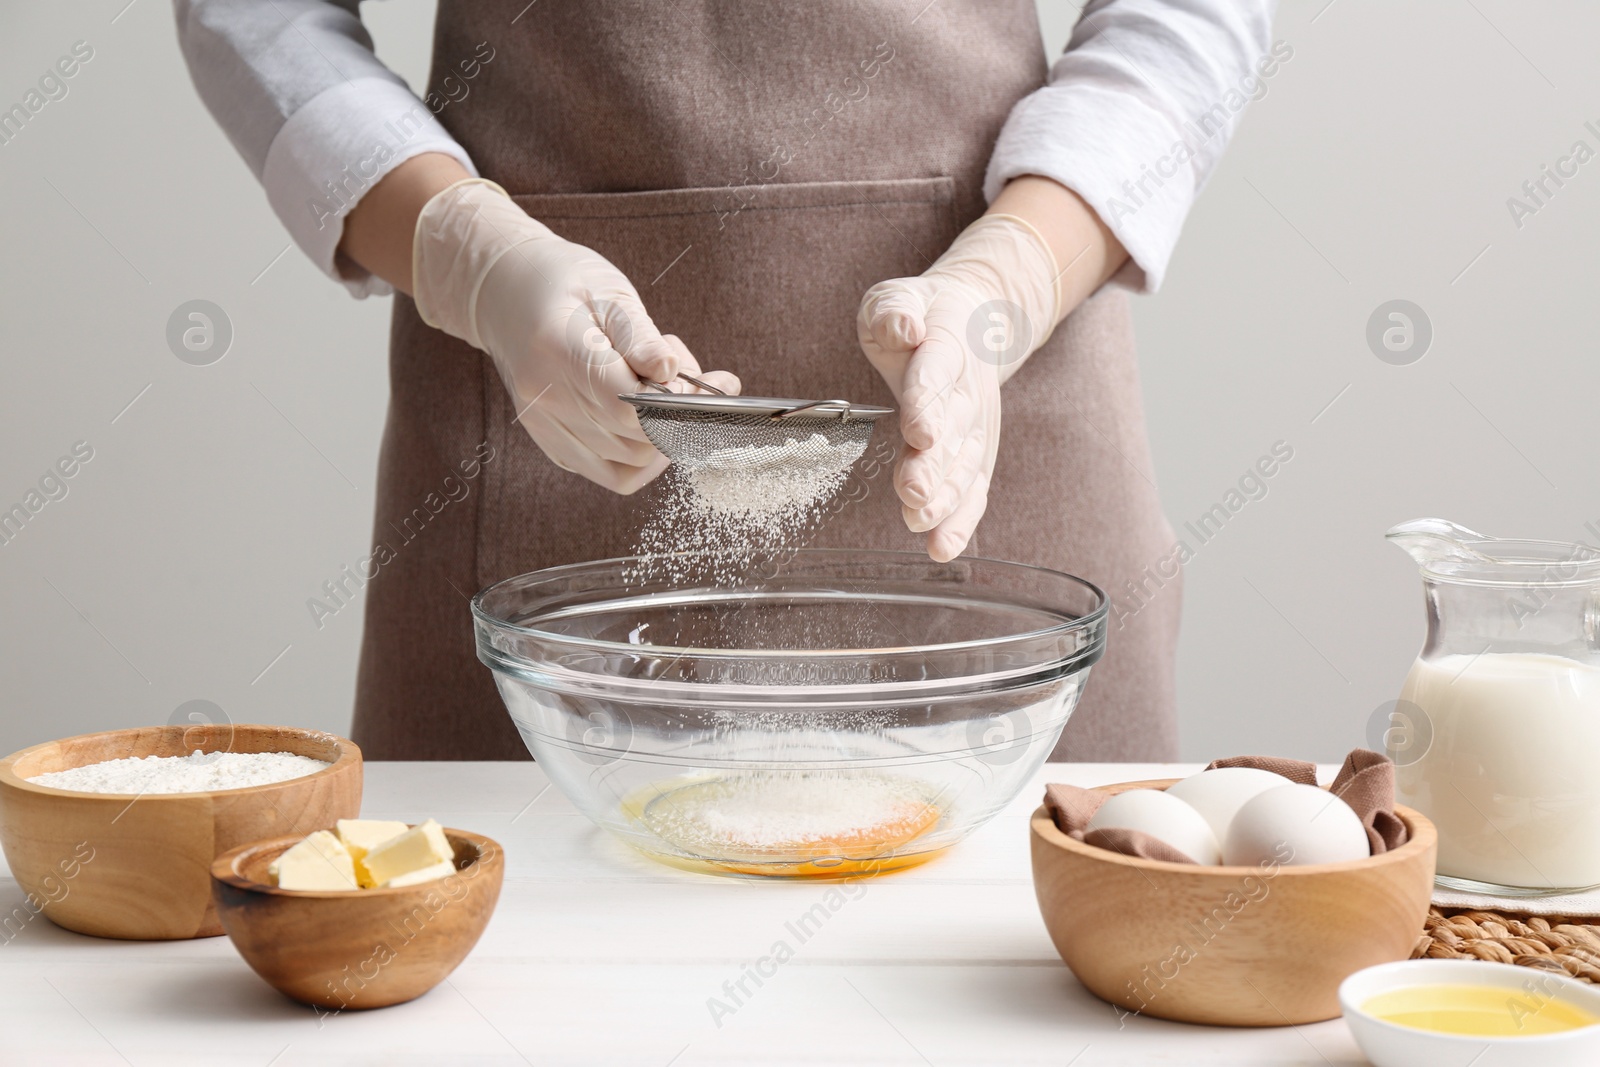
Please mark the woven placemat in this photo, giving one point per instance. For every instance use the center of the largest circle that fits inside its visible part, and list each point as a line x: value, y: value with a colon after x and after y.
x: 1546, y: 942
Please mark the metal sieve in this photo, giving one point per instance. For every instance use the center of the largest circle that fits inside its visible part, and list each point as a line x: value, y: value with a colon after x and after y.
x: 731, y: 432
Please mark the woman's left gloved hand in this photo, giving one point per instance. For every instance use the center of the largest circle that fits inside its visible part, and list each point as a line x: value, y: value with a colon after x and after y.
x: 945, y: 342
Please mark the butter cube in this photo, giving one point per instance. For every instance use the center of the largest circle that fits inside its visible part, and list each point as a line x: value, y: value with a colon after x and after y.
x: 427, y: 874
x: 320, y: 862
x: 361, y: 836
x: 420, y: 847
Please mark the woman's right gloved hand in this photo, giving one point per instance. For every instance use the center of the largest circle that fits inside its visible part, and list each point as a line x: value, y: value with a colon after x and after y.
x: 565, y: 328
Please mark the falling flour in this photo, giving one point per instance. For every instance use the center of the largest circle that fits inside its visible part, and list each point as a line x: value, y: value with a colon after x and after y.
x: 721, y: 518
x: 732, y: 506
x: 198, y: 772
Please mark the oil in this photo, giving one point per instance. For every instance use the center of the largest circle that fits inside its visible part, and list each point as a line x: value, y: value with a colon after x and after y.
x: 1477, y: 1011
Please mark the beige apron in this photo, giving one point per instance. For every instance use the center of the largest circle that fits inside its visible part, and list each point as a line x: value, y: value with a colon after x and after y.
x: 753, y: 166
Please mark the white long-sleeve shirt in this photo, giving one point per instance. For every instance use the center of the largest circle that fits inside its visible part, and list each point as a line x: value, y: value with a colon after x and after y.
x: 1134, y: 118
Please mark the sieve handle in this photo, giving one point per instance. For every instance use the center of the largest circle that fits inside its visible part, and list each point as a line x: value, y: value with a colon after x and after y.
x: 707, y: 386
x: 845, y: 404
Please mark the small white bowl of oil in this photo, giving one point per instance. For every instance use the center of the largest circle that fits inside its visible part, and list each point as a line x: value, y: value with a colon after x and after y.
x: 1456, y: 1013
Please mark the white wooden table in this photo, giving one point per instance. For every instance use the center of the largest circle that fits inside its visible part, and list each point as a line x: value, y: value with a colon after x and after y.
x: 599, y: 956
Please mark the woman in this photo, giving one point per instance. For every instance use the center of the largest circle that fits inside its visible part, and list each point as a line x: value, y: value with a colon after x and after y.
x: 730, y: 183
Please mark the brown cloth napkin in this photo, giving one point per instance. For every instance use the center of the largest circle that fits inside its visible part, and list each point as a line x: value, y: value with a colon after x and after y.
x: 1365, y: 782
x: 1072, y: 807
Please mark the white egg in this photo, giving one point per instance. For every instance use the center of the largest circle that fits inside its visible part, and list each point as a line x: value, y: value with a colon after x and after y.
x: 1166, y: 818
x: 1219, y: 794
x: 1295, y: 825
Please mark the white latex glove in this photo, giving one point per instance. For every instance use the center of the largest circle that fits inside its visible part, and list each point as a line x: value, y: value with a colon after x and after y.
x: 944, y: 342
x: 565, y: 328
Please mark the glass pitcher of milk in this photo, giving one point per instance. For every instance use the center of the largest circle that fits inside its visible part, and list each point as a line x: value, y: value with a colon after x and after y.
x: 1498, y: 725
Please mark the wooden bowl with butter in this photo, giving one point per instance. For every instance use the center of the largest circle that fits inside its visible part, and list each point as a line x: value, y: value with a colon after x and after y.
x: 352, y: 949
x: 138, y: 866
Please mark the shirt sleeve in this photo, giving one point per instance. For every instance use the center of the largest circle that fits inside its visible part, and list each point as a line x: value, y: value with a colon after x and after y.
x: 319, y: 120
x: 1137, y: 112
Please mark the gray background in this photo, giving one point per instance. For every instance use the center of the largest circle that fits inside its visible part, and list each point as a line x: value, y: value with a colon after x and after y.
x: 1377, y: 167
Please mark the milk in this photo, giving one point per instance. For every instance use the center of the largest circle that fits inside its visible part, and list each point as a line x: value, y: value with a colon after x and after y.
x: 1512, y: 776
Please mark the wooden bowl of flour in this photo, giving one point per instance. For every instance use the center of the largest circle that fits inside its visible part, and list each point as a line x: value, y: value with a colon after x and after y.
x: 138, y: 866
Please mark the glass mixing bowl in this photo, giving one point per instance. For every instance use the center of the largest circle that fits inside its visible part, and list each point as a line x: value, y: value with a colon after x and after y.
x: 848, y: 712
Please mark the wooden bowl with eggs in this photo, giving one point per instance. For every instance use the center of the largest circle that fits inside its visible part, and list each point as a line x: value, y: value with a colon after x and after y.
x: 139, y: 866
x: 1228, y: 946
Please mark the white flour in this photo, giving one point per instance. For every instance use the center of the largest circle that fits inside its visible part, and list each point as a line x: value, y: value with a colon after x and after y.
x: 198, y: 772
x: 780, y: 813
x: 736, y: 505
x: 767, y: 483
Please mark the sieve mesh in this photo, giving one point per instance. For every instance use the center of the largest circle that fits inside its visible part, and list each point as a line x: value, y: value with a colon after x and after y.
x: 693, y: 439
x: 754, y: 433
